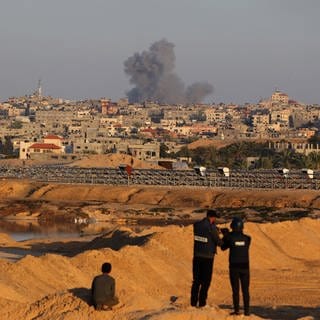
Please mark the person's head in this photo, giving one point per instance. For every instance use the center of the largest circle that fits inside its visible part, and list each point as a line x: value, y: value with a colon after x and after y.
x: 212, y: 215
x: 106, y: 267
x: 236, y: 224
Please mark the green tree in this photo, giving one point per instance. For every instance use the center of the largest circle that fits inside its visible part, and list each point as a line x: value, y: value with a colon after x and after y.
x: 7, y: 146
x: 314, y: 140
x: 16, y: 125
x: 314, y: 160
x: 164, y: 150
x: 265, y: 163
x: 288, y: 159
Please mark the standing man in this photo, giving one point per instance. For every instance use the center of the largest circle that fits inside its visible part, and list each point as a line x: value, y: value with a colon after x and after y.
x: 103, y: 289
x: 206, y: 240
x: 238, y: 243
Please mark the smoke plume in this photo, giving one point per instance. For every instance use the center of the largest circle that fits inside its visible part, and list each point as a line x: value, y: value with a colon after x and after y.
x: 152, y: 74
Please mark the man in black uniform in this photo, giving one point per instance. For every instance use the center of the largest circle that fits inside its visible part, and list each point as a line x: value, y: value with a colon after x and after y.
x: 103, y: 289
x: 238, y: 243
x: 206, y: 240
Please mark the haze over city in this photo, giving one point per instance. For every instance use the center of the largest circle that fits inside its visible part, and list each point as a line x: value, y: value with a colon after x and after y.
x: 244, y: 49
x: 158, y: 155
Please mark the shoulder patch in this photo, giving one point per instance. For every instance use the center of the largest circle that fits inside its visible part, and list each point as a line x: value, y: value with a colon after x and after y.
x: 200, y: 239
x: 240, y: 243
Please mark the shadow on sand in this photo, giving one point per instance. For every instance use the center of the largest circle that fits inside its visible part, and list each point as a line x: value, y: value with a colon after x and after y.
x: 282, y: 312
x: 82, y: 293
x: 114, y: 240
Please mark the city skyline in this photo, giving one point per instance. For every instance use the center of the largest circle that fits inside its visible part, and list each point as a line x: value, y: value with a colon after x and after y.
x: 244, y: 49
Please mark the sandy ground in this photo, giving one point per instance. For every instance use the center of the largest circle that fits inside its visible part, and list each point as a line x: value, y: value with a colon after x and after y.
x: 155, y: 264
x: 52, y: 281
x: 176, y: 197
x: 113, y: 160
x: 88, y: 161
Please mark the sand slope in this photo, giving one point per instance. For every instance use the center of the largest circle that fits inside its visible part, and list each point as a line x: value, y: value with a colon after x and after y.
x: 153, y: 265
x: 113, y: 160
x: 178, y: 197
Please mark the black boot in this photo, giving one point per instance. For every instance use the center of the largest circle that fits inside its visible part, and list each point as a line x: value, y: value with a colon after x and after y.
x: 235, y: 313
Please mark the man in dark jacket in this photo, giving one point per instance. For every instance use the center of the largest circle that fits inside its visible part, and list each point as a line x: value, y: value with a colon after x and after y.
x: 206, y: 240
x: 103, y: 289
x: 238, y: 243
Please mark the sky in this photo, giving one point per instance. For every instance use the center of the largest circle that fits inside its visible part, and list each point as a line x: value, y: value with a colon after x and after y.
x: 244, y: 48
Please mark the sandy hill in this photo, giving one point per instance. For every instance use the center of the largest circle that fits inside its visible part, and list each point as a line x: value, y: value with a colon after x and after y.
x: 113, y: 160
x: 177, y: 197
x: 223, y: 143
x: 88, y: 161
x: 210, y: 143
x: 153, y: 265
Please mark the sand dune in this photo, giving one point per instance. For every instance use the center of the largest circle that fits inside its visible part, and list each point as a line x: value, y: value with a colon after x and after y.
x: 87, y: 161
x: 113, y: 160
x: 177, y: 197
x: 154, y: 265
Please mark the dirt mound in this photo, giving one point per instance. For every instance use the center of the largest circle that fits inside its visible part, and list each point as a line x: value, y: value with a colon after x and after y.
x: 154, y: 265
x: 5, y: 239
x: 210, y: 143
x: 113, y: 160
x: 177, y: 197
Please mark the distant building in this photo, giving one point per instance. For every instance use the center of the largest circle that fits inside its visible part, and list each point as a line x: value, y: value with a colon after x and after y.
x: 280, y: 97
x: 53, y: 139
x: 44, y: 147
x: 105, y: 104
x: 51, y: 144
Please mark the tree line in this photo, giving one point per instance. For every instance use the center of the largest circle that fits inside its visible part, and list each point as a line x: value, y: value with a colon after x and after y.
x: 248, y: 155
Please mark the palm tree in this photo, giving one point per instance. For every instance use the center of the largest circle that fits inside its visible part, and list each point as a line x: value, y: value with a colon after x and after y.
x: 282, y: 159
x: 314, y: 160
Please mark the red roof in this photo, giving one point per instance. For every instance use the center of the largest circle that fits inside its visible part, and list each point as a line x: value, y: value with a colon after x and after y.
x: 52, y: 136
x: 44, y: 146
x: 148, y: 130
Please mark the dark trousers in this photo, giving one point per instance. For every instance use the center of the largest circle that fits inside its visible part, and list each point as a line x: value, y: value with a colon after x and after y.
x: 106, y: 304
x: 237, y: 276
x: 202, y: 273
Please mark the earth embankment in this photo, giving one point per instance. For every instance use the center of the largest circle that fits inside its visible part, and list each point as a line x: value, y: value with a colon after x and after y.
x: 156, y: 195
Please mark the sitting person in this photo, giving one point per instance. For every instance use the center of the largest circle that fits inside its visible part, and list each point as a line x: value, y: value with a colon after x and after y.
x: 103, y: 289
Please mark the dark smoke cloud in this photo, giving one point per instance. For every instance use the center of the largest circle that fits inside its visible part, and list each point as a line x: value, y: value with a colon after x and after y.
x: 197, y: 91
x: 152, y: 74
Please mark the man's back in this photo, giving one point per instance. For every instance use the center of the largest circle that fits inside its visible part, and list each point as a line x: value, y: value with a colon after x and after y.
x: 238, y: 243
x: 206, y: 238
x: 103, y: 289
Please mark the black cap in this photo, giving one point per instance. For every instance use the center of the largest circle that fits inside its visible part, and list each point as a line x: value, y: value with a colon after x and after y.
x: 212, y: 213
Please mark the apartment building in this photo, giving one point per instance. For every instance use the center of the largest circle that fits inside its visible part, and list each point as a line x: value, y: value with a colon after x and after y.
x: 303, y: 116
x: 214, y: 115
x: 279, y: 97
x: 260, y: 119
x: 147, y: 151
x: 101, y: 145
x: 281, y: 116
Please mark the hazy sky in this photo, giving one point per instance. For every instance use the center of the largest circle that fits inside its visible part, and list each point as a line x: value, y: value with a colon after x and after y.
x: 244, y: 48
